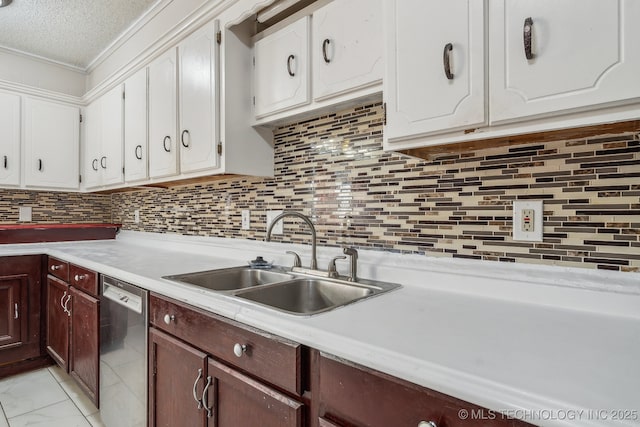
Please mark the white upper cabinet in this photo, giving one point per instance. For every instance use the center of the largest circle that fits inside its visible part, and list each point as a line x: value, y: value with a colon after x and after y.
x: 9, y: 139
x: 135, y: 127
x: 435, y: 74
x: 51, y: 144
x: 281, y: 75
x: 103, y: 140
x: 163, y: 148
x: 347, y: 46
x: 198, y: 100
x: 551, y: 57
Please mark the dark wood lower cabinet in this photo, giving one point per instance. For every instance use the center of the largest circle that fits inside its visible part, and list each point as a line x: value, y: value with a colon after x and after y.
x: 84, y: 343
x: 58, y: 321
x: 183, y: 379
x: 20, y: 312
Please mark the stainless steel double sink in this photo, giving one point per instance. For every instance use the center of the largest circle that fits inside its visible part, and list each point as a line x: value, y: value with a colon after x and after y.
x: 284, y: 290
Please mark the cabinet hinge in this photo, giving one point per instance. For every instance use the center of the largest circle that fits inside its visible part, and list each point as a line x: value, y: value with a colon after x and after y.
x: 219, y: 148
x: 80, y: 179
x: 254, y: 61
x: 123, y: 96
x: 80, y: 118
x: 384, y: 117
x: 254, y: 101
x: 219, y: 37
x: 122, y: 171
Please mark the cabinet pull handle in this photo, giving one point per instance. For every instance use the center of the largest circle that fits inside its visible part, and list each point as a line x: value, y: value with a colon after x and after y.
x: 103, y: 162
x: 184, y: 144
x: 204, y: 397
x: 427, y: 424
x: 79, y: 277
x: 40, y: 165
x: 138, y: 156
x: 94, y: 165
x: 527, y: 30
x: 195, y: 386
x: 446, y: 60
x: 62, y: 301
x: 325, y: 55
x: 5, y: 162
x: 168, y: 318
x: 164, y: 144
x: 239, y: 349
x: 65, y: 306
x: 289, y: 59
x: 55, y: 267
x: 15, y: 313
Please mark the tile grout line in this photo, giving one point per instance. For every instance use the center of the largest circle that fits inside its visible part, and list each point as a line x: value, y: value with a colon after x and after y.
x: 3, y: 414
x: 70, y: 398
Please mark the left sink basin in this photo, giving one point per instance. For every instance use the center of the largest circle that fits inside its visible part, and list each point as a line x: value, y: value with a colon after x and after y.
x: 230, y: 279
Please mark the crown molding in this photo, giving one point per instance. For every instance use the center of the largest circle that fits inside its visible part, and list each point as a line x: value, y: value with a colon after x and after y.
x: 42, y: 59
x: 40, y: 93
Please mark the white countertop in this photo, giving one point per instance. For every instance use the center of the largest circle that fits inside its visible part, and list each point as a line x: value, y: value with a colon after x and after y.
x: 554, y: 346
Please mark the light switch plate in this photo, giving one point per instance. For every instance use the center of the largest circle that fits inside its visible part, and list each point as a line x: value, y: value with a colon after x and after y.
x: 24, y: 213
x: 278, y: 229
x: 246, y: 219
x: 528, y: 220
x: 136, y: 216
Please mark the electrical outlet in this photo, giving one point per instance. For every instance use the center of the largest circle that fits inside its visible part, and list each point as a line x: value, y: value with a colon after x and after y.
x: 278, y: 228
x: 136, y: 216
x: 528, y: 220
x: 24, y: 213
x: 246, y: 219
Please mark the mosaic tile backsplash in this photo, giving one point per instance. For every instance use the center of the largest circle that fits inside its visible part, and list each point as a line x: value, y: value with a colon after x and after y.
x: 333, y: 169
x: 55, y: 207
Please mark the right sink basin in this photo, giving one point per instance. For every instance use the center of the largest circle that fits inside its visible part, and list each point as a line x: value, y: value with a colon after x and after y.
x: 310, y: 295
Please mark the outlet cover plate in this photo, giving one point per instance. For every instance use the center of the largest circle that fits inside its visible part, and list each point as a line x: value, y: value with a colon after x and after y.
x: 278, y: 229
x: 246, y: 219
x: 24, y: 213
x: 535, y: 232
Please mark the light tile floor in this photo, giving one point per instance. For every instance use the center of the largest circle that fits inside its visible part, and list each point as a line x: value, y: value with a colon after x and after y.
x: 45, y: 398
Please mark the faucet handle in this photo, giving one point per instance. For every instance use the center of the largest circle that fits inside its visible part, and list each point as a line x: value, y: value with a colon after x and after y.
x: 333, y: 272
x: 352, y: 252
x: 296, y: 259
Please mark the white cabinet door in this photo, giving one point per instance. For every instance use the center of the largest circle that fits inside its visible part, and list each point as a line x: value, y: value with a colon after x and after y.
x: 281, y: 73
x: 92, y: 175
x: 583, y: 53
x: 435, y: 73
x: 112, y: 132
x: 51, y: 142
x: 198, y: 95
x: 9, y: 139
x: 163, y: 148
x: 347, y: 47
x: 135, y: 127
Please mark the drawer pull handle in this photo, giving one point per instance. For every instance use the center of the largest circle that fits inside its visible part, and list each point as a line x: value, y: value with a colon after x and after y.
x: 239, y: 349
x: 55, y: 267
x: 79, y: 277
x: 427, y: 424
x: 204, y: 397
x: 527, y: 31
x: 168, y: 318
x: 195, y: 386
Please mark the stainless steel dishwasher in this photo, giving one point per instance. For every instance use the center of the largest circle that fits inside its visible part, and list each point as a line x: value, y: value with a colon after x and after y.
x: 123, y: 354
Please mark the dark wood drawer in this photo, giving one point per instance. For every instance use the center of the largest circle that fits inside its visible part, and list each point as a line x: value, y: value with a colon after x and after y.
x: 84, y: 279
x: 58, y: 268
x: 268, y: 357
x: 349, y: 395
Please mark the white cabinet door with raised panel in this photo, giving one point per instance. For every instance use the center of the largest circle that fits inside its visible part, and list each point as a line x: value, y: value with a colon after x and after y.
x: 435, y: 73
x: 135, y: 127
x: 9, y: 139
x: 549, y: 57
x: 198, y: 100
x: 112, y: 133
x: 347, y: 47
x: 51, y: 144
x: 163, y: 143
x: 91, y: 173
x: 281, y: 73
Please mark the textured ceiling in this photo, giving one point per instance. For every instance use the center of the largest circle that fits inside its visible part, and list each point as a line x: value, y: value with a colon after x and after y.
x: 70, y: 31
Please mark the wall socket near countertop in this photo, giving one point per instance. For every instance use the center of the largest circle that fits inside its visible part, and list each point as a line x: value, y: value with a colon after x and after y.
x: 136, y: 216
x: 24, y: 213
x: 528, y: 220
x: 246, y: 219
x: 278, y: 228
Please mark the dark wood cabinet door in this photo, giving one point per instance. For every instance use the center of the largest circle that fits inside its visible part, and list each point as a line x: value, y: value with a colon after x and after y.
x: 58, y: 321
x: 84, y: 352
x: 13, y: 313
x: 177, y: 372
x: 237, y: 400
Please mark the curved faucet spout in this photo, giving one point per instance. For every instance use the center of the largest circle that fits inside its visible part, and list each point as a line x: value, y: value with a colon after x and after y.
x: 314, y: 261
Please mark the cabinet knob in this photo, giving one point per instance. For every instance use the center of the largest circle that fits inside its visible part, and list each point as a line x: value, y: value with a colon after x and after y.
x: 239, y: 349
x: 168, y: 318
x: 55, y: 267
x: 79, y: 277
x: 427, y: 424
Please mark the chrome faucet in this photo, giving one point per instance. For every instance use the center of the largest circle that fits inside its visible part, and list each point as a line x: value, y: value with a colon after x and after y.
x: 314, y: 261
